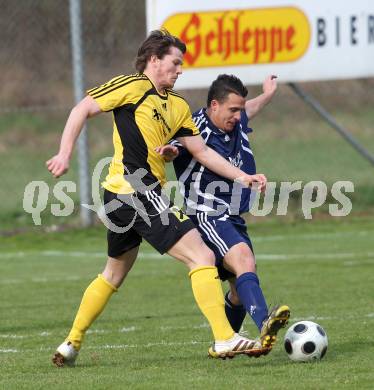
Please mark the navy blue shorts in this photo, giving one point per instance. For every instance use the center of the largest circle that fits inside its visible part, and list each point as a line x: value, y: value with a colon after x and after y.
x: 220, y: 234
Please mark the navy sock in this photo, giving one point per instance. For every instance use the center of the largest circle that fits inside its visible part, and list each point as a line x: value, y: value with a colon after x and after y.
x: 251, y: 296
x: 234, y: 313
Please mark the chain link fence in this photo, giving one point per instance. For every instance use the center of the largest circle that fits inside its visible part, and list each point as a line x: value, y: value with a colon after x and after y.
x: 35, y: 54
x: 37, y: 88
x: 290, y: 141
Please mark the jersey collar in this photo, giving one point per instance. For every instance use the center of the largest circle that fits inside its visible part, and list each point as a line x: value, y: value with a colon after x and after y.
x: 161, y: 95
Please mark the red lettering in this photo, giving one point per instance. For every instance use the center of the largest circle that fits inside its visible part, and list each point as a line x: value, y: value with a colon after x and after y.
x: 194, y: 43
x: 236, y: 23
x: 289, y: 35
x: 220, y: 33
x: 245, y: 40
x: 229, y: 35
x: 208, y: 40
x: 275, y: 42
x: 260, y: 43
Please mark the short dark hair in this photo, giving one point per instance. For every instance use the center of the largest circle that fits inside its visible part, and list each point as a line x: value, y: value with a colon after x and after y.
x: 223, y: 85
x: 157, y: 43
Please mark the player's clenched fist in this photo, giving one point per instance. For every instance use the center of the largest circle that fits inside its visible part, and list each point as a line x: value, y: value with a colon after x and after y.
x: 257, y: 181
x: 168, y: 152
x: 58, y: 165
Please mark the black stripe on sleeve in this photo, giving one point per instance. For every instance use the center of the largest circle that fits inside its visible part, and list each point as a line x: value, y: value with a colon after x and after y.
x: 184, y: 132
x: 116, y: 80
x: 173, y: 93
x: 109, y: 85
x: 113, y: 88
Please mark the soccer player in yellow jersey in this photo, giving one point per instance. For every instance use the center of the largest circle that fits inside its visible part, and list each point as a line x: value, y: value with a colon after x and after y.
x: 147, y: 113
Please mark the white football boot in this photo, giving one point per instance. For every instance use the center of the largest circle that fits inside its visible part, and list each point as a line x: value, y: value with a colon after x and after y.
x: 237, y: 345
x: 65, y: 355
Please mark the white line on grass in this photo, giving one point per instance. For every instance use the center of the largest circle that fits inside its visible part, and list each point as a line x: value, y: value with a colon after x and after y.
x: 148, y: 345
x: 9, y: 351
x: 313, y: 236
x: 309, y: 236
x: 314, y: 256
x: 151, y: 256
x: 12, y: 255
x: 122, y: 330
x: 167, y: 328
x: 171, y: 328
x: 113, y: 346
x: 368, y: 256
x: 129, y: 329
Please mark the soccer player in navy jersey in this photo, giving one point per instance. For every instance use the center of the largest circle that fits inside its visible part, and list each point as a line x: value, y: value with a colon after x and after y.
x: 215, y: 204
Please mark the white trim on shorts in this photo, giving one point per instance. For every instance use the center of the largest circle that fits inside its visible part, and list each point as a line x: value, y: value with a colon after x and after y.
x: 211, y: 233
x: 156, y: 200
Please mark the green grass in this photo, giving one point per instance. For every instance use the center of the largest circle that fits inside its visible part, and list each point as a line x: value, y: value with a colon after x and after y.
x: 152, y: 336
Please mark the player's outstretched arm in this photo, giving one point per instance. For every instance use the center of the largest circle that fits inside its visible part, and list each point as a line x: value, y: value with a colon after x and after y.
x: 216, y: 163
x: 86, y: 108
x: 255, y: 105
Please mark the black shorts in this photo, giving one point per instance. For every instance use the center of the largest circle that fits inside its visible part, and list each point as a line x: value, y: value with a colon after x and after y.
x: 150, y: 215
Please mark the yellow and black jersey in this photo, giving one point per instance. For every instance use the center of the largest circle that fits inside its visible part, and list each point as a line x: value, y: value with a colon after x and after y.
x: 143, y: 119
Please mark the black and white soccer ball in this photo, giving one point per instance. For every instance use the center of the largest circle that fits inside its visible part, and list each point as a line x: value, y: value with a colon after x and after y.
x: 305, y: 341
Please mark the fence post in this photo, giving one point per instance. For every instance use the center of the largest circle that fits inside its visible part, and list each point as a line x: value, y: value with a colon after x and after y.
x: 83, y: 158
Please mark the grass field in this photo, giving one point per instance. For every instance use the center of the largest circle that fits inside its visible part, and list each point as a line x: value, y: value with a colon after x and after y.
x: 152, y: 336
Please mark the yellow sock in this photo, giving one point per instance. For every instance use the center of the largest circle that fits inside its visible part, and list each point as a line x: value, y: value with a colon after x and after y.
x: 93, y: 302
x: 208, y: 294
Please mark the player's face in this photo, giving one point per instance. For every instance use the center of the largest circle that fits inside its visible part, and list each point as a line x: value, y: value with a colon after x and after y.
x: 226, y: 114
x: 169, y: 68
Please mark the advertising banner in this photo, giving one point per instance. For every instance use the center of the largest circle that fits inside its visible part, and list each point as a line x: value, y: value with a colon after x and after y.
x: 296, y: 40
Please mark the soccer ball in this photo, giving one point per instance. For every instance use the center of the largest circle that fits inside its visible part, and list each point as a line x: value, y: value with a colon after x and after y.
x: 305, y: 341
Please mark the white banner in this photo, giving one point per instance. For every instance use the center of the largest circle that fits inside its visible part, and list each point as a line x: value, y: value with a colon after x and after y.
x: 296, y: 40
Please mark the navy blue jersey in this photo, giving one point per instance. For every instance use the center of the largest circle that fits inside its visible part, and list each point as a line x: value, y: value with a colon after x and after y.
x: 204, y: 190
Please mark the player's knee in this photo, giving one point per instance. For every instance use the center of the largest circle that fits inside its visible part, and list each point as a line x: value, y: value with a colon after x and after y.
x: 115, y: 274
x: 203, y: 256
x: 114, y: 278
x: 199, y: 253
x: 240, y: 259
x: 207, y: 256
x: 249, y: 264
